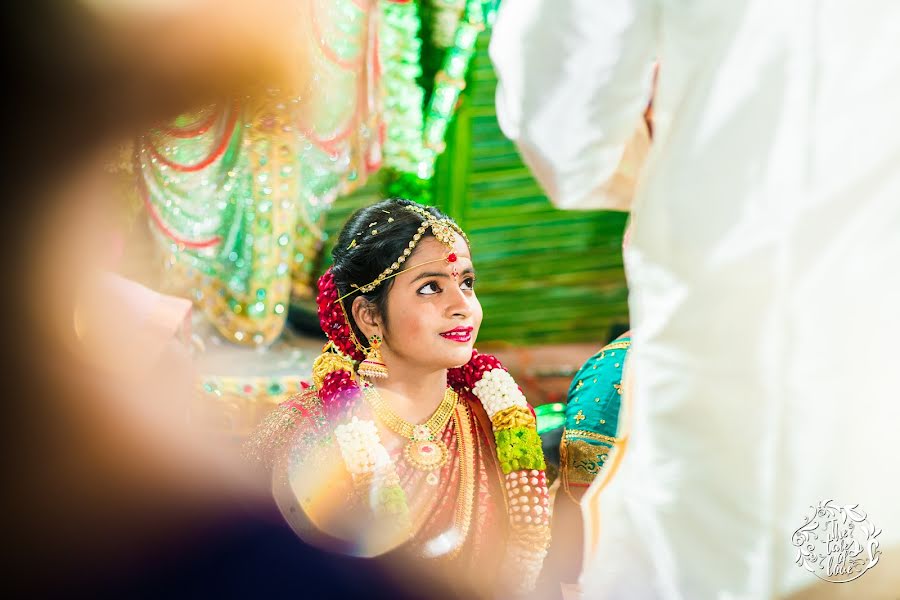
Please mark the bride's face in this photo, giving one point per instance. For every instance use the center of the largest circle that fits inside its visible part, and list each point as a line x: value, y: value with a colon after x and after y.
x: 433, y: 316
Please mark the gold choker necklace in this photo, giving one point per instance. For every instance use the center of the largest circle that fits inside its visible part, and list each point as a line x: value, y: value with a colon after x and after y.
x: 424, y: 450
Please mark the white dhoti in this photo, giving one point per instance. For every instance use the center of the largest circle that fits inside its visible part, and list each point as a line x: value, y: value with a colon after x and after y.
x: 764, y: 269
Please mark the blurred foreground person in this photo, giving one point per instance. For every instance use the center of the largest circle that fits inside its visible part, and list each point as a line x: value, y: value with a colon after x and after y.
x: 762, y: 276
x: 110, y: 491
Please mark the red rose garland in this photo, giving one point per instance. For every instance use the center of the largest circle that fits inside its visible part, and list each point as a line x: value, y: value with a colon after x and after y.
x: 465, y: 377
x: 339, y: 392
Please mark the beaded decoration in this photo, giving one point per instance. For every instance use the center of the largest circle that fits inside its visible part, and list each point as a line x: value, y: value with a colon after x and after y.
x: 522, y: 461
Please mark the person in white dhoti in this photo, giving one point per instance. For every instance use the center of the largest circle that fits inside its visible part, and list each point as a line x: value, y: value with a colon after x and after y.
x: 764, y: 270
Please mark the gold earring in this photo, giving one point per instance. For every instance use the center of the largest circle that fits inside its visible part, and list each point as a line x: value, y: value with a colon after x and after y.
x: 373, y: 366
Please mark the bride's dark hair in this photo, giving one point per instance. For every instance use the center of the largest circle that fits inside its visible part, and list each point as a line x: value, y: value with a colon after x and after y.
x: 371, y: 241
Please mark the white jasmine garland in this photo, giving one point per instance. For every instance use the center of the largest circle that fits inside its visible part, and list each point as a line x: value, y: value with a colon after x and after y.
x: 361, y: 446
x: 526, y: 491
x: 522, y: 564
x: 497, y: 391
x: 370, y: 466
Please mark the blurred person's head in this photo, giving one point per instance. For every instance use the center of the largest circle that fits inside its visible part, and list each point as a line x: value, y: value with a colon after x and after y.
x: 93, y: 446
x: 92, y: 71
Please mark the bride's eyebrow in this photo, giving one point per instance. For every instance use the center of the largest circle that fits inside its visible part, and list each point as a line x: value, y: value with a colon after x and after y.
x: 428, y: 274
x: 439, y: 275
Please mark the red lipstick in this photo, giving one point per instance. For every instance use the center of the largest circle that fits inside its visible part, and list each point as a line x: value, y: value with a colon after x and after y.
x: 459, y: 334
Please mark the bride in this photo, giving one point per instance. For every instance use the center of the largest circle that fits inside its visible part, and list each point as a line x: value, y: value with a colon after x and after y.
x: 409, y: 438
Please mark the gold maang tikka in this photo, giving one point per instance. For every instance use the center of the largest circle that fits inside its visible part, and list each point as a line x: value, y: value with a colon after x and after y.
x: 443, y: 231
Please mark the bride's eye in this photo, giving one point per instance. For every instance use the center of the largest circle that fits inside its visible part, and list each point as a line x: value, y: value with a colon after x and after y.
x: 429, y: 288
x: 468, y: 283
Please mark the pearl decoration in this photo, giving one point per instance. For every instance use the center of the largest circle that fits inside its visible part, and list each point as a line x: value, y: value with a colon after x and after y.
x: 526, y: 489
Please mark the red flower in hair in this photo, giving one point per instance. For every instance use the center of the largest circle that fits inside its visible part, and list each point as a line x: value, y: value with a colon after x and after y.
x: 332, y: 319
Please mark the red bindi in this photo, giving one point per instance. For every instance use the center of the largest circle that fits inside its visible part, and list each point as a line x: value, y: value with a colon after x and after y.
x: 451, y: 258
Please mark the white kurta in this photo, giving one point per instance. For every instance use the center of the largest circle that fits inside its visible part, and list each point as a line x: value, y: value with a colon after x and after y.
x: 764, y: 267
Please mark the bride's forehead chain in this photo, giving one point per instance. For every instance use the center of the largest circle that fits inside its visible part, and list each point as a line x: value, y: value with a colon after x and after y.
x: 444, y: 231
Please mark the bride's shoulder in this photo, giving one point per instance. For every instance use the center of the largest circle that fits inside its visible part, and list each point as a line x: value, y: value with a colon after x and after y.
x: 302, y: 402
x: 298, y: 415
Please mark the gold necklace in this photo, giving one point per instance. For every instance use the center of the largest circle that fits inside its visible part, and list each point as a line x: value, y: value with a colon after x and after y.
x: 424, y: 450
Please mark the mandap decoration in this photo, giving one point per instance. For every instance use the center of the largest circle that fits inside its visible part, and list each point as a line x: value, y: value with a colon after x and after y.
x: 236, y: 193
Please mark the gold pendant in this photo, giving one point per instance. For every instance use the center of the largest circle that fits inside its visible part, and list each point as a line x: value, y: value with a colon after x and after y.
x: 426, y: 455
x: 424, y: 452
